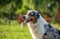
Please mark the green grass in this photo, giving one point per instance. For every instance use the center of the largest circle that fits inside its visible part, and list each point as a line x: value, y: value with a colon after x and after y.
x: 14, y: 31
x: 56, y: 25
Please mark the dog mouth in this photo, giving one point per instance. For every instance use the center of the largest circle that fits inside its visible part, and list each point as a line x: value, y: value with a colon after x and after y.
x: 26, y: 21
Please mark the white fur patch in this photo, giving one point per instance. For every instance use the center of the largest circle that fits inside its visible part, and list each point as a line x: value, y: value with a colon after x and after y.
x: 37, y: 30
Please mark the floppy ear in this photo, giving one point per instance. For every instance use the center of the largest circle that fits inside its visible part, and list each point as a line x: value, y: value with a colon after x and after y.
x: 37, y: 15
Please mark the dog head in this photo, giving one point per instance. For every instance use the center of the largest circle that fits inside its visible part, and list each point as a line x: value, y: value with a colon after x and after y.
x: 31, y: 16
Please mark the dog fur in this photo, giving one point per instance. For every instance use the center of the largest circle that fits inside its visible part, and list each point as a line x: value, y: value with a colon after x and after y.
x: 41, y: 29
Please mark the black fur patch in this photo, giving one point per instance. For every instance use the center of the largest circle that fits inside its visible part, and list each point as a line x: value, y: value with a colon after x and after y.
x: 35, y: 14
x: 52, y: 33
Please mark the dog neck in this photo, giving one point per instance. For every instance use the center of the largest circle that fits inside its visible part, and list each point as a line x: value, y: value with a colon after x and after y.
x: 42, y: 21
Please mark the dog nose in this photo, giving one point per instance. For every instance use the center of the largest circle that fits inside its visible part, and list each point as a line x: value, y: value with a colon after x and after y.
x: 25, y: 20
x: 24, y: 17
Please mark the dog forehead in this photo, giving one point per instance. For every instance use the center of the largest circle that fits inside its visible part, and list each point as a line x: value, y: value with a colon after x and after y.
x: 35, y: 11
x: 29, y: 11
x: 32, y: 12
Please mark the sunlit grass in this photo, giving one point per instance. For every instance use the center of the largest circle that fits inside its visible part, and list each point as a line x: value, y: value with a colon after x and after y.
x: 56, y: 25
x: 14, y: 31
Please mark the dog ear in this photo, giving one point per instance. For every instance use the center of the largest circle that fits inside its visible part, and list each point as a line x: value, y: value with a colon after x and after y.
x: 37, y: 15
x: 32, y: 14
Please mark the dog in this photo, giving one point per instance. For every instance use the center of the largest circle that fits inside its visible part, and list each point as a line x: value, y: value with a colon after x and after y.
x: 39, y: 28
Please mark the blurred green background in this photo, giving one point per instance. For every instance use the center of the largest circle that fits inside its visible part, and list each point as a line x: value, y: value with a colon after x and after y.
x: 10, y: 9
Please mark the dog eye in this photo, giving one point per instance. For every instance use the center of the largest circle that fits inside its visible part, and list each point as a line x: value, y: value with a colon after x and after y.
x: 29, y: 14
x: 31, y: 19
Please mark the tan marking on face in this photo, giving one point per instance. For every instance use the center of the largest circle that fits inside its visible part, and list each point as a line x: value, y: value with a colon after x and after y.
x: 32, y: 18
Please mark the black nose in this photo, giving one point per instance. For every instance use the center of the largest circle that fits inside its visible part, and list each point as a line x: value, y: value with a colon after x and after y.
x: 24, y: 17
